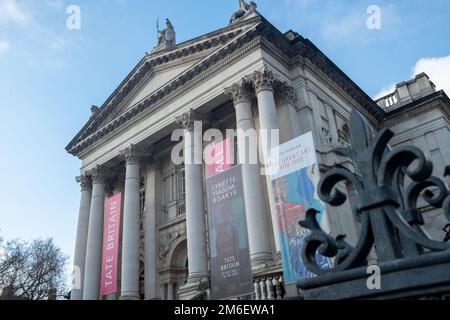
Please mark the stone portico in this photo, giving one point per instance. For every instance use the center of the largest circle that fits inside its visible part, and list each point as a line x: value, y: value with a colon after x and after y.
x: 247, y: 75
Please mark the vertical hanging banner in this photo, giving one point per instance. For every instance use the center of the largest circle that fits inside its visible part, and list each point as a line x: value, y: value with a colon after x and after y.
x: 111, y: 233
x: 231, y: 274
x: 218, y: 157
x: 295, y: 176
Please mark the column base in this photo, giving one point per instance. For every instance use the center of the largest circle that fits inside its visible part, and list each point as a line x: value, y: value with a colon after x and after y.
x: 261, y: 259
x: 129, y: 296
x: 195, y: 289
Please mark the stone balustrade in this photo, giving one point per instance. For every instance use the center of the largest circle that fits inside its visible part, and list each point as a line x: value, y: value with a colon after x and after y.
x: 270, y: 287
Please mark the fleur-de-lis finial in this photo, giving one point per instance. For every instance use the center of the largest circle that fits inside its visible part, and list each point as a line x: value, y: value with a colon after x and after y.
x: 384, y: 201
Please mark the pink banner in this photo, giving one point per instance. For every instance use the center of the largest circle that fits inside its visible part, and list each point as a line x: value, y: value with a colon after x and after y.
x: 218, y: 157
x: 111, y: 232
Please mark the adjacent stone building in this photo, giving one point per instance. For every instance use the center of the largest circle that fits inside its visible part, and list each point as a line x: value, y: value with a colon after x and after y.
x: 245, y: 75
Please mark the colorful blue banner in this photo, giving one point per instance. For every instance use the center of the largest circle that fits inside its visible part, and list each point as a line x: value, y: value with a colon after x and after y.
x: 295, y: 177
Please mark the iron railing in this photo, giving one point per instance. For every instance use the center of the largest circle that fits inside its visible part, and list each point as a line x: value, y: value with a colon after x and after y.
x: 389, y: 183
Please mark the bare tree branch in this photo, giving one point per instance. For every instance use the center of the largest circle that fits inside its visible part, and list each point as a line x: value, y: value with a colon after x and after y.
x: 32, y: 270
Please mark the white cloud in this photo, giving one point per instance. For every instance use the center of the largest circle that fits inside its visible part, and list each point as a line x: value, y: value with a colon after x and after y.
x: 4, y: 46
x: 437, y: 69
x: 385, y: 91
x: 11, y: 13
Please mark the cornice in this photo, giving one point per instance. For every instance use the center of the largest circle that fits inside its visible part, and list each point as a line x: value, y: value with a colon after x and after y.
x: 308, y: 50
x: 417, y: 107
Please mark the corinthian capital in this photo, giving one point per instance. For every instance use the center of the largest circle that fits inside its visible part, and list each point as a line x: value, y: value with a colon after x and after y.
x: 263, y: 80
x: 187, y: 119
x: 285, y: 93
x: 240, y: 91
x: 132, y: 154
x: 98, y: 174
x: 85, y: 181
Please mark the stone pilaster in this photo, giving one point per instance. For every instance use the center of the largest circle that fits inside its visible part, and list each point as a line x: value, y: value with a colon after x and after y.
x: 288, y: 119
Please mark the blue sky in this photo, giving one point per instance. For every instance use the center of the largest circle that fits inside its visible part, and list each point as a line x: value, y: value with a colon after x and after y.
x: 50, y: 76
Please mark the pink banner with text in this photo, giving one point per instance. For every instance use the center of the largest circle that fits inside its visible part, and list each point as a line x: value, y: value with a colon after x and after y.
x: 111, y: 232
x: 218, y: 158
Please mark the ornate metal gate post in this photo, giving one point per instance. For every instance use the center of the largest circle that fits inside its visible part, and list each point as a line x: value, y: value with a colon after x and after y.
x: 389, y: 183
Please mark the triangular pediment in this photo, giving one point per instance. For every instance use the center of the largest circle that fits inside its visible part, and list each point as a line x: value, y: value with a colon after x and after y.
x: 155, y: 78
x: 158, y: 69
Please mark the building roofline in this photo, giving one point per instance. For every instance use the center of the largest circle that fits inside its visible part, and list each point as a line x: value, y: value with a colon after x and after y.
x: 293, y: 48
x: 438, y: 95
x: 149, y: 58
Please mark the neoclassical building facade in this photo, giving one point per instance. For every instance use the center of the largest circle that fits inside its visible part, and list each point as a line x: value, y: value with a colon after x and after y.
x: 247, y: 75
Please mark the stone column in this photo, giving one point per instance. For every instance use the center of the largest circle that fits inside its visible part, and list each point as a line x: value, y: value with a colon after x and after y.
x: 256, y: 216
x: 268, y: 118
x: 195, y: 206
x: 79, y: 259
x: 91, y: 289
x: 152, y: 206
x: 162, y: 292
x: 170, y: 291
x: 131, y: 226
x: 268, y: 122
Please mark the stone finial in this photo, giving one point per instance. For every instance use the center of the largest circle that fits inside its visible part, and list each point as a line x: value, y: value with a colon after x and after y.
x: 239, y: 91
x: 132, y: 154
x: 187, y: 119
x: 263, y: 79
x: 98, y: 174
x: 85, y: 181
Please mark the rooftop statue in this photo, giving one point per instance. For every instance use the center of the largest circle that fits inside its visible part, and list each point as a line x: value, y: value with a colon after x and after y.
x: 244, y: 10
x: 166, y: 37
